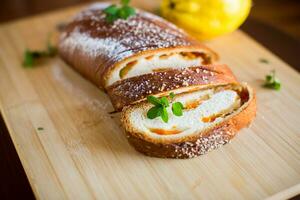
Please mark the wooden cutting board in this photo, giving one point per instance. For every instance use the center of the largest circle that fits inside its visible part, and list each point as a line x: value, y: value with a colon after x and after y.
x: 82, y: 153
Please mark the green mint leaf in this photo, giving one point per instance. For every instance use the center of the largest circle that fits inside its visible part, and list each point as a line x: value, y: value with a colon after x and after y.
x: 172, y: 95
x: 111, y: 10
x: 269, y: 78
x: 277, y: 85
x: 111, y: 18
x: 30, y: 56
x: 126, y: 11
x: 164, y: 101
x: 154, y: 112
x: 111, y: 13
x: 114, y: 12
x: 177, y: 108
x: 160, y: 107
x: 164, y: 115
x: 28, y: 59
x: 272, y: 82
x: 153, y: 100
x: 122, y: 14
x: 129, y: 11
x: 125, y: 2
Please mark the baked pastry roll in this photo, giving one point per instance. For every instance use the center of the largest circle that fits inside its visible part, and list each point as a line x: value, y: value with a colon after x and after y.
x: 106, y: 52
x: 146, y: 55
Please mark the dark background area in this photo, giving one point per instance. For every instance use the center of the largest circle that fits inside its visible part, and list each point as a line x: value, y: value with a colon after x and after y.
x: 282, y: 14
x: 273, y: 23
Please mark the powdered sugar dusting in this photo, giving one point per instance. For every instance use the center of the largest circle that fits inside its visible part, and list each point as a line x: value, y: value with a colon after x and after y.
x: 188, y: 149
x: 139, y: 31
x: 94, y: 46
x: 93, y: 36
x: 133, y: 89
x: 203, y: 145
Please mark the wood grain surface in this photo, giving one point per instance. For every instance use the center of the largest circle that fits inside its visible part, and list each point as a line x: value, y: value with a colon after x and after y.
x: 82, y: 153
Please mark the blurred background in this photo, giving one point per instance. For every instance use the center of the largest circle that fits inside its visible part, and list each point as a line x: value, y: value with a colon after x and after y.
x: 273, y: 23
x: 282, y: 14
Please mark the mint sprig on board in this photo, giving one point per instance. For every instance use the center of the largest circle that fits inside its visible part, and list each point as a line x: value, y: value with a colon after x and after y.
x: 272, y: 81
x: 30, y: 56
x: 114, y: 12
x: 160, y: 107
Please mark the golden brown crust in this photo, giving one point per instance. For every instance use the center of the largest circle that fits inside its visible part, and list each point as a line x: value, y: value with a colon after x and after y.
x: 135, y: 89
x: 95, y: 47
x: 198, y: 144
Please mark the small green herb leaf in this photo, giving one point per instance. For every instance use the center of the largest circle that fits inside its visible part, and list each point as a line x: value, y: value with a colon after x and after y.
x: 111, y: 18
x: 160, y: 107
x: 40, y: 128
x: 272, y: 82
x: 164, y: 101
x: 111, y: 13
x: 177, y: 108
x: 126, y: 12
x: 277, y: 85
x: 154, y: 112
x: 269, y: 78
x: 164, y: 115
x: 28, y: 59
x: 111, y: 10
x: 114, y: 12
x: 152, y: 99
x: 31, y: 56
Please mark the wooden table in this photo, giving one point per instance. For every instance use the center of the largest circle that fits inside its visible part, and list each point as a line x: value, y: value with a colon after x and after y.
x: 53, y: 159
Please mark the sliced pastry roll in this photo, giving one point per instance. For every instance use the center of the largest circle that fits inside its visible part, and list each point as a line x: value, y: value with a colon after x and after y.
x: 108, y: 52
x: 160, y: 83
x: 211, y: 118
x: 146, y: 55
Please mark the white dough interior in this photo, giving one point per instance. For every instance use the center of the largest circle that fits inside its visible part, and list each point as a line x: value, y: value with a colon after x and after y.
x: 145, y: 66
x: 191, y: 122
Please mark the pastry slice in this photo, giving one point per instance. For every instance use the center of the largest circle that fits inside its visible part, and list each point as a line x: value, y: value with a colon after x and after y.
x: 135, y: 89
x: 211, y: 118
